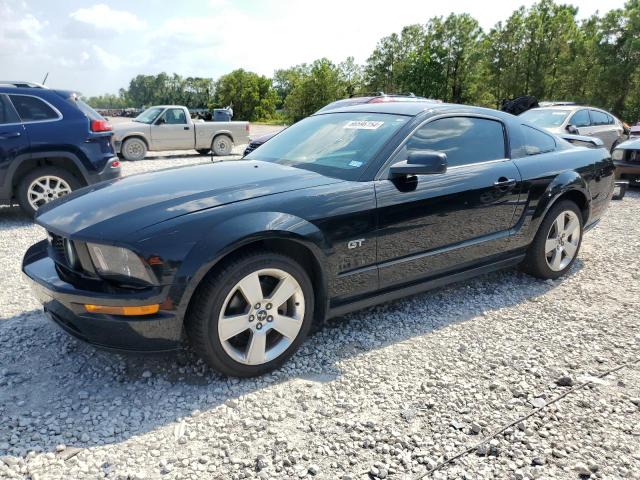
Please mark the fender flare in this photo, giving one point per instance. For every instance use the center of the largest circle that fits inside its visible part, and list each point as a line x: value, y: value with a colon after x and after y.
x: 217, y: 133
x: 134, y: 135
x: 569, y: 181
x: 243, y: 230
x: 16, y: 163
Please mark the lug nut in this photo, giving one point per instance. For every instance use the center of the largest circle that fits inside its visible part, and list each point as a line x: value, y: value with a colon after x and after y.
x: 269, y: 318
x: 269, y: 306
x: 251, y: 318
x: 257, y: 306
x: 258, y: 326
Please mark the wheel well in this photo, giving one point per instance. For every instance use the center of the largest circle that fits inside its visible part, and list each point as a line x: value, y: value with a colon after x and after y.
x: 579, y: 199
x: 140, y: 137
x: 221, y: 135
x: 28, y: 166
x: 301, y: 254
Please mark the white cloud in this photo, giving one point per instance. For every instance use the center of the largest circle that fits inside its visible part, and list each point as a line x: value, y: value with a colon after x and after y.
x: 103, y: 17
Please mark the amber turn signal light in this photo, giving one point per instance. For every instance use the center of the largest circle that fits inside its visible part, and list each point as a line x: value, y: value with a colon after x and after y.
x: 139, y: 310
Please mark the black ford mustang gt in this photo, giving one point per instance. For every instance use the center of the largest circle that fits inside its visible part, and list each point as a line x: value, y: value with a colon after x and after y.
x: 342, y: 210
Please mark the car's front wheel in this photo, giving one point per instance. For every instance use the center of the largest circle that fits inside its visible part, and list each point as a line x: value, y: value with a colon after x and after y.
x: 134, y: 149
x: 252, y: 314
x: 557, y: 242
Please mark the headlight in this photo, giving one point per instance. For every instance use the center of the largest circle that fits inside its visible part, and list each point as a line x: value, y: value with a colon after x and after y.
x: 617, y: 154
x: 118, y: 262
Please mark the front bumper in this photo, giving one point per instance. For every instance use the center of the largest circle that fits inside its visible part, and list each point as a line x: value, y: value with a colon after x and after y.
x: 628, y: 171
x: 64, y: 304
x: 107, y: 173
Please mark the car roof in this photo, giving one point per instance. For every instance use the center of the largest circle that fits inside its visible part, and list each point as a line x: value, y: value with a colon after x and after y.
x: 416, y: 108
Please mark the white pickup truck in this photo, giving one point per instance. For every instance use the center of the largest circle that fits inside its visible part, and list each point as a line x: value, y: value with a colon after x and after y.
x: 169, y: 127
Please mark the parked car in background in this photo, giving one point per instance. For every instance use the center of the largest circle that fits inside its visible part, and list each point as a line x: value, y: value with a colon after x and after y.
x: 342, y: 210
x: 579, y: 120
x: 378, y: 97
x: 170, y: 127
x: 626, y: 157
x: 51, y: 143
x: 634, y: 131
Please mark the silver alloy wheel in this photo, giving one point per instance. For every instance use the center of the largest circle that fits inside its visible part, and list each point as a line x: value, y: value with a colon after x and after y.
x: 134, y: 149
x: 46, y: 189
x: 261, y: 316
x: 222, y: 145
x: 562, y: 240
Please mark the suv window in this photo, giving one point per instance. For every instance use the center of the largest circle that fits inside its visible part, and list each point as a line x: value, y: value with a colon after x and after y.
x: 175, y: 116
x: 464, y: 139
x: 32, y: 109
x: 7, y: 113
x: 536, y: 142
x: 599, y: 118
x: 580, y: 119
x: 610, y: 120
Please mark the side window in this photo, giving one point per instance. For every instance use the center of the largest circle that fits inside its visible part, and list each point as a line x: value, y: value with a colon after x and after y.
x: 580, y: 119
x: 7, y: 113
x: 32, y: 109
x: 175, y: 116
x: 536, y: 141
x: 464, y: 139
x: 599, y: 118
x: 610, y: 120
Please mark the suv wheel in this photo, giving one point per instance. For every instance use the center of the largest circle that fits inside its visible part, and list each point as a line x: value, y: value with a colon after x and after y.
x: 252, y: 314
x: 557, y: 242
x: 44, y: 185
x: 133, y: 149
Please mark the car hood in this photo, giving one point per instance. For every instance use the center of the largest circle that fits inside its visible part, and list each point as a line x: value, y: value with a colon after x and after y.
x: 120, y: 129
x: 119, y: 207
x: 631, y: 144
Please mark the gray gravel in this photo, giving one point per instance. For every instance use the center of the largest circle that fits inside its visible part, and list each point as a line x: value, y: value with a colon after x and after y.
x: 514, y: 377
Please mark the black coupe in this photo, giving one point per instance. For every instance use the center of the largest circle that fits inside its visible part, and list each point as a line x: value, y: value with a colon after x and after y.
x: 342, y: 210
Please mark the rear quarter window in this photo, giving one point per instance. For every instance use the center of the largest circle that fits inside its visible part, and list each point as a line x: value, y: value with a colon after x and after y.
x: 33, y: 109
x: 537, y: 142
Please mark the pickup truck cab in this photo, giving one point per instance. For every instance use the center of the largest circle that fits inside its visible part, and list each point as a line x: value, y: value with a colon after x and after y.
x: 170, y: 127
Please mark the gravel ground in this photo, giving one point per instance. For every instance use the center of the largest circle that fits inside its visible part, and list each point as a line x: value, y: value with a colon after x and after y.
x: 503, y: 377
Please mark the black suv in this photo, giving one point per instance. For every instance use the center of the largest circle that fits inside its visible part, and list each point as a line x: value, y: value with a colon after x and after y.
x: 51, y: 143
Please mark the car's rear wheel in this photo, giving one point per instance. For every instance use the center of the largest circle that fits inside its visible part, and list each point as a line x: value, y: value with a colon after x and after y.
x: 557, y: 242
x: 222, y: 145
x: 134, y: 149
x: 204, y: 151
x: 251, y: 315
x: 44, y: 185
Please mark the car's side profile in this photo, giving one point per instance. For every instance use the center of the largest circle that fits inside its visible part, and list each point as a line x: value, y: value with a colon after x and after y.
x: 342, y: 210
x: 579, y: 120
x: 51, y: 143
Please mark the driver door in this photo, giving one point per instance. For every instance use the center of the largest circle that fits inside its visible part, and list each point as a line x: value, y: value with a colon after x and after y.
x: 171, y: 131
x: 430, y: 225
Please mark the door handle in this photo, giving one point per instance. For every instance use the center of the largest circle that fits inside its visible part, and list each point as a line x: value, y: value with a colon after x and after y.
x: 186, y: 128
x: 504, y: 182
x: 10, y: 135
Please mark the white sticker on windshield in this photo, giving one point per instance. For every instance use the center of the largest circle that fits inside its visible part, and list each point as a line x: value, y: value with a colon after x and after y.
x: 363, y: 125
x: 355, y: 163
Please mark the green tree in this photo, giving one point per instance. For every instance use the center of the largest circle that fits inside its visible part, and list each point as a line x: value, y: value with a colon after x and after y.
x: 252, y: 96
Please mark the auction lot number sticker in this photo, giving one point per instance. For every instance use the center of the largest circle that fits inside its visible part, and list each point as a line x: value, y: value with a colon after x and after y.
x: 364, y: 124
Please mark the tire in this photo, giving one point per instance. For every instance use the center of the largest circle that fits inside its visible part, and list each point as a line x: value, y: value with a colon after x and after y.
x: 133, y: 149
x: 221, y: 295
x: 44, y: 185
x: 222, y: 145
x: 549, y: 255
x: 204, y: 151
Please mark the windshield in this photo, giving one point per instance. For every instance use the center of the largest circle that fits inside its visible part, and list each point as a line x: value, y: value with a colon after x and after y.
x: 149, y: 115
x: 547, y: 118
x: 336, y: 144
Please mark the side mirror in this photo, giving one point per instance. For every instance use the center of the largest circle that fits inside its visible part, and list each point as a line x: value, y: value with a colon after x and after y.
x: 420, y: 162
x: 161, y: 121
x: 572, y: 129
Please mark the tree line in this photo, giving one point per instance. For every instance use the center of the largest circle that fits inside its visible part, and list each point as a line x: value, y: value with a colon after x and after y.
x: 544, y: 51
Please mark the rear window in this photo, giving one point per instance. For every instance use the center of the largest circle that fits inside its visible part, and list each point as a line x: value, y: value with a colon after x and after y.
x: 545, y: 118
x: 86, y: 109
x: 33, y: 109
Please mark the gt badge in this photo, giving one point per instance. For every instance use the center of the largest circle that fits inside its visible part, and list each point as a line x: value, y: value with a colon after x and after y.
x: 351, y: 244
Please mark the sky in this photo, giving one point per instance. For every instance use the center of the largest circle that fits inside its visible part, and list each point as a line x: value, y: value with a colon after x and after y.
x: 97, y: 47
